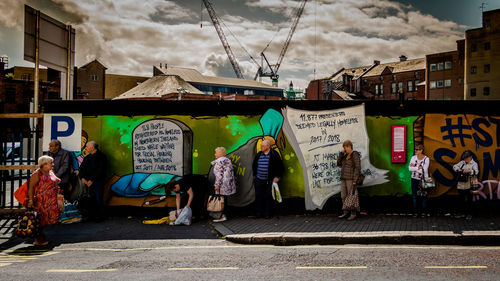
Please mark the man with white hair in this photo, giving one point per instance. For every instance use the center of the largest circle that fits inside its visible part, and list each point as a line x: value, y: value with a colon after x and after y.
x: 93, y: 175
x: 267, y: 168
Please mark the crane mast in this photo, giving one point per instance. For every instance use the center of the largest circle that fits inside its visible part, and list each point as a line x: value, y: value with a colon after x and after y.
x: 225, y: 44
x: 273, y: 69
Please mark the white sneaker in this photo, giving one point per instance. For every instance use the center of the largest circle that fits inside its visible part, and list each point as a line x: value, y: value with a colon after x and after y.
x: 224, y: 218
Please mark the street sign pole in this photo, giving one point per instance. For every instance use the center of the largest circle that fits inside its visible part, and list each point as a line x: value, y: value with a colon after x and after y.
x: 37, y: 62
x: 68, y: 73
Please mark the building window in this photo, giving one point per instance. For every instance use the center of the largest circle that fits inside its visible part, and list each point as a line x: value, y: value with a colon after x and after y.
x: 416, y: 83
x: 410, y: 86
x: 393, y: 88
x: 432, y: 85
x: 473, y: 47
x: 26, y: 76
x: 440, y: 66
x: 486, y: 68
x: 381, y: 89
x: 460, y: 80
x: 447, y: 65
x: 487, y: 23
x: 473, y: 92
x: 376, y: 89
x: 486, y: 91
x: 439, y: 84
x: 400, y: 86
x: 10, y: 95
x: 433, y: 67
x: 416, y: 74
x: 487, y: 46
x: 473, y: 69
x: 447, y: 83
x: 93, y: 77
x: 381, y: 78
x: 393, y: 77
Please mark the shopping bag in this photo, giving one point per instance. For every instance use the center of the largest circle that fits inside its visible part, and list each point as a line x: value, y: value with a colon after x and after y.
x: 71, y: 214
x: 21, y: 194
x: 215, y: 203
x: 351, y: 202
x: 28, y: 225
x: 60, y: 202
x: 184, y: 217
x: 276, y: 193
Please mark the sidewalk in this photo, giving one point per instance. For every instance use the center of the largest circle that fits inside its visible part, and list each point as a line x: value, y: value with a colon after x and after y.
x: 372, y: 229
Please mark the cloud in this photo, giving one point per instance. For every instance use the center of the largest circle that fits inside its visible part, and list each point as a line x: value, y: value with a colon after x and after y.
x: 128, y: 38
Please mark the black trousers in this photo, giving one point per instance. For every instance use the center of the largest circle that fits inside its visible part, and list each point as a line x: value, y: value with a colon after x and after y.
x: 264, y: 204
x: 466, y: 201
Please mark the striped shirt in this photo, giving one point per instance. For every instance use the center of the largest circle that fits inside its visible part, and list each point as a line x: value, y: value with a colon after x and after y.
x: 263, y: 166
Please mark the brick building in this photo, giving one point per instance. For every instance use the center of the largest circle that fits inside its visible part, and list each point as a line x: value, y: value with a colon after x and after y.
x: 482, y: 59
x: 376, y: 82
x: 445, y: 74
x: 90, y: 83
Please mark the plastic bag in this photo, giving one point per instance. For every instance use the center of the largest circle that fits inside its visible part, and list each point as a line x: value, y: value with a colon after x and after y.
x: 276, y: 193
x: 184, y: 217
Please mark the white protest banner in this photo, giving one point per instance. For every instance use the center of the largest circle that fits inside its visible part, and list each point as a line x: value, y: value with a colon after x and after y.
x: 67, y: 128
x: 317, y: 137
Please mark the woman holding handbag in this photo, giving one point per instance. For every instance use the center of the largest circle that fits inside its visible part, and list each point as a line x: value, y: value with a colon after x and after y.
x: 465, y: 169
x: 419, y: 168
x: 350, y: 163
x: 224, y: 177
x: 42, y: 196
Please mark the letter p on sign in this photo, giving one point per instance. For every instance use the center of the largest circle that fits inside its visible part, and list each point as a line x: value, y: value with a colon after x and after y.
x: 67, y: 128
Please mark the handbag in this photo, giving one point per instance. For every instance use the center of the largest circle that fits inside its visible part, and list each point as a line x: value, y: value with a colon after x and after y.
x: 215, y: 203
x: 360, y: 180
x: 28, y: 225
x: 474, y: 184
x: 461, y: 176
x: 21, y: 193
x: 60, y: 202
x: 351, y: 202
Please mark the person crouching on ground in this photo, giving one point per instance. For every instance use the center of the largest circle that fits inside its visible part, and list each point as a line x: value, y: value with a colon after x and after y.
x: 350, y: 163
x: 419, y: 167
x: 267, y: 168
x: 224, y: 177
x: 42, y: 196
x: 469, y: 168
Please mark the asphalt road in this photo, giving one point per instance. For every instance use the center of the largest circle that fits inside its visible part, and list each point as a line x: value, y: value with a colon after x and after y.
x: 217, y: 259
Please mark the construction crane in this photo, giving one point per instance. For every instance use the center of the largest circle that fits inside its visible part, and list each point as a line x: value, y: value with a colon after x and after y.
x: 273, y: 69
x: 225, y: 44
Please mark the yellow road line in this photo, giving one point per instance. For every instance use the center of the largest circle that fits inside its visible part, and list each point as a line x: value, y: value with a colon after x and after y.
x: 1, y: 261
x: 203, y: 268
x: 79, y: 270
x: 4, y: 263
x: 456, y: 266
x: 331, y: 267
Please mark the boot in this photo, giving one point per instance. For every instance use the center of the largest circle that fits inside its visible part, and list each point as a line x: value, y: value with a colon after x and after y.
x: 344, y: 215
x: 353, y: 216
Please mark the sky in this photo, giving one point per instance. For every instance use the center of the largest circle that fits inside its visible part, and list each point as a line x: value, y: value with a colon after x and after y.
x: 129, y: 36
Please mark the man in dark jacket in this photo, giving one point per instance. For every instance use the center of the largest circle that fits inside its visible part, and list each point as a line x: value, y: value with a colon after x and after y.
x: 62, y: 168
x: 267, y: 168
x: 93, y: 173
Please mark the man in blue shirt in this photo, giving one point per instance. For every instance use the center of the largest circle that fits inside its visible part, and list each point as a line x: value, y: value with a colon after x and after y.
x: 267, y: 168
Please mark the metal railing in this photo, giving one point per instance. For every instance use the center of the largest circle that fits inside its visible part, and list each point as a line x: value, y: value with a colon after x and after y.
x: 20, y: 147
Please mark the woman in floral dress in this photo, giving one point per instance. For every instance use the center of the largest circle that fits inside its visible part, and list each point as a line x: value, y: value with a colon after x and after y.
x: 224, y: 177
x: 42, y: 196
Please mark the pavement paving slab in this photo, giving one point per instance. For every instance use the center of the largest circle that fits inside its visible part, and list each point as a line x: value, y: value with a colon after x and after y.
x: 374, y: 229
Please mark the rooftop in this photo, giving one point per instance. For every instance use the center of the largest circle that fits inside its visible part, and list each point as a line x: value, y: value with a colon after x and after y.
x: 193, y: 76
x: 158, y: 86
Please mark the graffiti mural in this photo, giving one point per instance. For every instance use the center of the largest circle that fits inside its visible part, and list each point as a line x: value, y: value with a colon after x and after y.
x: 447, y: 136
x: 317, y: 138
x: 145, y: 151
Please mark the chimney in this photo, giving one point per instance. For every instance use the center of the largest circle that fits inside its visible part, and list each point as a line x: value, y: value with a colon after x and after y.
x: 376, y: 62
x: 403, y: 58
